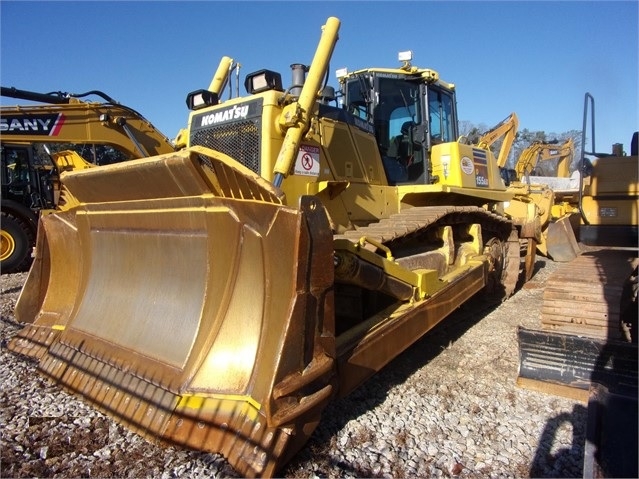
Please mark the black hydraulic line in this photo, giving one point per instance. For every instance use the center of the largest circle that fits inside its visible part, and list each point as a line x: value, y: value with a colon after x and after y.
x: 58, y: 98
x: 62, y: 98
x: 102, y: 95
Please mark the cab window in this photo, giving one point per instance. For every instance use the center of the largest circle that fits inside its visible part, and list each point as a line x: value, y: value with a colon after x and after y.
x: 441, y: 115
x: 15, y: 166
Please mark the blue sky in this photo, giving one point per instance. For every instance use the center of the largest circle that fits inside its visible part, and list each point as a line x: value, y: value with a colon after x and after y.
x: 534, y: 58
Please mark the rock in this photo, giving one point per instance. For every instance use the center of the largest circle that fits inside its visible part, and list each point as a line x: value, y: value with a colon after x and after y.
x: 416, y: 418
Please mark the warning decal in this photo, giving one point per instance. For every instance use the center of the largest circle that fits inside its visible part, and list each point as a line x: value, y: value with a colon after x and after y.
x: 307, y: 162
x: 481, y: 168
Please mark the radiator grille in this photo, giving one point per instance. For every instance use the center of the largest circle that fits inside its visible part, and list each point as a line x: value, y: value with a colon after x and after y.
x: 239, y: 140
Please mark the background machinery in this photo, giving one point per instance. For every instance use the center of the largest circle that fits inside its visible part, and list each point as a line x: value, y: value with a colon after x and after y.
x: 224, y: 293
x: 33, y: 138
x: 543, y: 169
x: 532, y: 159
x: 502, y: 135
x: 586, y: 346
x: 552, y: 193
x: 534, y: 203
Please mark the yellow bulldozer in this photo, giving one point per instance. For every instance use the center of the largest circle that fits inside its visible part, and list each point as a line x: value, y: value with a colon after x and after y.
x: 223, y: 294
x: 54, y: 133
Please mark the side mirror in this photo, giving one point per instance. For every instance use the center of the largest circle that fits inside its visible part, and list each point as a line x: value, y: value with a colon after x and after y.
x: 417, y: 134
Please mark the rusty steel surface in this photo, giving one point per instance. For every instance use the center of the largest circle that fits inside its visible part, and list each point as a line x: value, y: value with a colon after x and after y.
x: 584, y: 336
x: 189, y: 315
x: 584, y: 296
x: 561, y: 242
x: 576, y: 361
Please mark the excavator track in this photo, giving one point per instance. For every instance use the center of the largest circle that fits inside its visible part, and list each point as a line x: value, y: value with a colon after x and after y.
x: 406, y: 233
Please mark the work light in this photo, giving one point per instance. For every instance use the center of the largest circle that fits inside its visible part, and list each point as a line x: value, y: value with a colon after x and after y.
x: 201, y: 99
x: 263, y: 80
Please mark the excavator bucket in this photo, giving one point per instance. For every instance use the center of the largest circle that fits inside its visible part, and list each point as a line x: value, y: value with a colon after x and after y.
x: 188, y: 303
x: 560, y: 239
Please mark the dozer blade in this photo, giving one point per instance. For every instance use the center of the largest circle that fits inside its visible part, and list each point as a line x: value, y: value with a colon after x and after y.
x: 560, y: 240
x: 567, y: 364
x: 181, y: 297
x: 582, y: 339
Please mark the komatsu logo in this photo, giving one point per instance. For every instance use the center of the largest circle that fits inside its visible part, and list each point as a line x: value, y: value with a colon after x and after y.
x: 364, y: 125
x: 235, y: 113
x: 48, y: 125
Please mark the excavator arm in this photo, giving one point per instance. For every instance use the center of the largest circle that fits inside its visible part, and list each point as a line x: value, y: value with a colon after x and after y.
x: 539, y: 152
x: 506, y: 129
x: 64, y: 118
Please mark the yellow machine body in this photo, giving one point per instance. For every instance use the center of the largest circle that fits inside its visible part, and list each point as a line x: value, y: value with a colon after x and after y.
x: 40, y: 142
x: 78, y: 122
x: 611, y: 193
x: 224, y: 293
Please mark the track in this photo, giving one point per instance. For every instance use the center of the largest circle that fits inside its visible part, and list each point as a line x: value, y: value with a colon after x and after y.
x: 587, y: 296
x: 411, y: 232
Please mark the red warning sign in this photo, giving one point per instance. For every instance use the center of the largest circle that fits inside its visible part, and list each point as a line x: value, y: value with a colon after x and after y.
x: 307, y: 162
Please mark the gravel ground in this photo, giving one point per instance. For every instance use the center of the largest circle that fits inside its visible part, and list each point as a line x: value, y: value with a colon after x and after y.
x: 447, y: 407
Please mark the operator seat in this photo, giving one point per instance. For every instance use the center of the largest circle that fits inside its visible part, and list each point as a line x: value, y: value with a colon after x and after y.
x: 400, y: 145
x: 398, y: 156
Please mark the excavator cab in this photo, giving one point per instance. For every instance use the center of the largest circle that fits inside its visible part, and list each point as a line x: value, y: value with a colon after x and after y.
x: 25, y: 176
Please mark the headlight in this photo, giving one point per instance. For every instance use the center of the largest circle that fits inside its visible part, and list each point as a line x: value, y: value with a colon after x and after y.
x: 263, y: 80
x: 201, y: 99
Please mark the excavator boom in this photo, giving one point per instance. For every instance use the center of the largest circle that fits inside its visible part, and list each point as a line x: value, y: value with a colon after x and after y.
x: 68, y: 119
x: 62, y: 133
x: 539, y: 152
x: 506, y: 130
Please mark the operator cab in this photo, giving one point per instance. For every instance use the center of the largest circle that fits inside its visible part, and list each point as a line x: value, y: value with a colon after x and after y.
x: 411, y: 111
